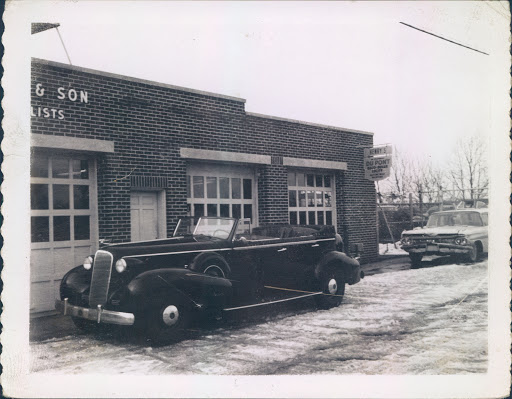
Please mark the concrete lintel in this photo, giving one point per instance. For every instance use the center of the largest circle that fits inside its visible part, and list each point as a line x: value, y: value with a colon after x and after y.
x: 314, y: 163
x: 71, y: 143
x: 224, y: 156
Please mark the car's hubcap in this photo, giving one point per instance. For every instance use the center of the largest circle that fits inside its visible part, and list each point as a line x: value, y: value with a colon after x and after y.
x: 170, y: 315
x: 332, y: 286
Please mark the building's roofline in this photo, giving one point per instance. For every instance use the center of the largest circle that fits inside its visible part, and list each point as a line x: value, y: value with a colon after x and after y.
x: 136, y: 80
x: 186, y: 89
x: 277, y: 118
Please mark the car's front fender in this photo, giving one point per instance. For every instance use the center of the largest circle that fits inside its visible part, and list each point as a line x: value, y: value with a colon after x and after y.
x: 200, y: 290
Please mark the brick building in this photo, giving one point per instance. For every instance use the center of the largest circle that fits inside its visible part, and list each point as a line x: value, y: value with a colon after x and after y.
x: 114, y: 157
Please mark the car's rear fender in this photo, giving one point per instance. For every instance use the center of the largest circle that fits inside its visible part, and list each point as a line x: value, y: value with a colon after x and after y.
x: 350, y: 266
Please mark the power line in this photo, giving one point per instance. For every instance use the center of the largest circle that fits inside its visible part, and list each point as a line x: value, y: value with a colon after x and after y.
x: 441, y: 37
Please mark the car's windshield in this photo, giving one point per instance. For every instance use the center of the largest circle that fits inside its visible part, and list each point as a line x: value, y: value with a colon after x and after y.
x: 455, y: 219
x: 214, y: 227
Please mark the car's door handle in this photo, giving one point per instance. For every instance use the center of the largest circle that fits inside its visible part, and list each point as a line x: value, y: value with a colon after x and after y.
x: 315, y: 245
x: 282, y: 249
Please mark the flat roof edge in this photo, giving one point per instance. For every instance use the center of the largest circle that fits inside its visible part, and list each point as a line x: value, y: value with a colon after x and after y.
x: 133, y: 79
x: 277, y: 118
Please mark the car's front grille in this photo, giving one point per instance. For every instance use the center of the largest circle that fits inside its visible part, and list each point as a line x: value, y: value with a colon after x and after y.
x: 101, y: 271
x: 433, y: 239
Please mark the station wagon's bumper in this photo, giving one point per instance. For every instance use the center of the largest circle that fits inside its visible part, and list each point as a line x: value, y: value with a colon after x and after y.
x: 437, y: 249
x: 98, y: 315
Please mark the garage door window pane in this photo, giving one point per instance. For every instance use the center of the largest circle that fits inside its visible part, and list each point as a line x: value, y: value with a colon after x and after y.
x: 320, y: 217
x: 39, y: 167
x: 60, y: 168
x: 81, y: 197
x: 291, y: 179
x: 248, y: 211
x: 198, y: 210
x: 302, y: 217
x: 235, y: 188
x: 224, y: 187
x: 301, y: 181
x: 211, y: 187
x: 311, y: 217
x: 198, y: 186
x: 310, y: 180
x: 60, y: 196
x: 292, y: 196
x: 224, y: 210
x: 319, y: 199
x: 302, y: 198
x: 237, y: 210
x: 328, y: 198
x: 40, y: 229
x: 80, y: 168
x: 61, y: 228
x: 328, y: 218
x: 247, y: 189
x: 311, y: 198
x: 39, y: 196
x: 319, y: 180
x: 293, y: 217
x: 82, y: 228
x: 211, y: 209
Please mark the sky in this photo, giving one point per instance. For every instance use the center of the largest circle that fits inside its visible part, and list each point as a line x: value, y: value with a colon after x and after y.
x: 346, y: 64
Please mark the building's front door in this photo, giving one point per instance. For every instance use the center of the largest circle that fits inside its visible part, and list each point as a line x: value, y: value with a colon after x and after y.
x: 144, y: 215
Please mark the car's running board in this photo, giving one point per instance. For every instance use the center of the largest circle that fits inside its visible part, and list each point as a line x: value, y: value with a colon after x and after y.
x: 271, y: 302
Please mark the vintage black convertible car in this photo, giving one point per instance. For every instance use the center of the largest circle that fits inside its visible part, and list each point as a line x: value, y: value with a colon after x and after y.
x: 221, y: 265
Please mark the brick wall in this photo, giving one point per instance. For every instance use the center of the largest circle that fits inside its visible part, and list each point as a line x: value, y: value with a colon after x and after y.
x: 149, y: 123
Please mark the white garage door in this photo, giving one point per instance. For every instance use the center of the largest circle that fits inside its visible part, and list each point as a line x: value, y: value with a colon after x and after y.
x: 222, y: 190
x: 63, y: 222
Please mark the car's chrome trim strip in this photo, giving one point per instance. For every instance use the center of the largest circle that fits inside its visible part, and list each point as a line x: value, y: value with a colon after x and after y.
x: 229, y: 249
x: 272, y: 302
x: 281, y: 244
x: 177, y: 253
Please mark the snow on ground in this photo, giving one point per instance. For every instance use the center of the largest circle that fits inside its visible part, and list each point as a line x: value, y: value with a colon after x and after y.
x: 390, y: 249
x: 423, y: 321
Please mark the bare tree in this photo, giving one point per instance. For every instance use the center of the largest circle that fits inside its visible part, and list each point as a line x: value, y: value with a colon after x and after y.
x: 396, y: 186
x: 468, y: 169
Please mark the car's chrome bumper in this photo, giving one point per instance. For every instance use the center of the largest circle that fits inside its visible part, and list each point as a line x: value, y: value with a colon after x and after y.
x: 98, y: 315
x: 437, y: 249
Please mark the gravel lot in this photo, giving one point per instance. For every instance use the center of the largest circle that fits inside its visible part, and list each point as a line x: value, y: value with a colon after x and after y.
x: 424, y: 321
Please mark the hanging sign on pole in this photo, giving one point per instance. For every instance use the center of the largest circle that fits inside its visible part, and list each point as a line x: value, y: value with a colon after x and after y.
x: 377, y: 162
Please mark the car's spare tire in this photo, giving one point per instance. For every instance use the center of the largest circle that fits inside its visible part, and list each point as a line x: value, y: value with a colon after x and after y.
x: 211, y: 264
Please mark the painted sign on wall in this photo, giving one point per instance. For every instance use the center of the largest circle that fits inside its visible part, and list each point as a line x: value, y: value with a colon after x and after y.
x: 65, y: 94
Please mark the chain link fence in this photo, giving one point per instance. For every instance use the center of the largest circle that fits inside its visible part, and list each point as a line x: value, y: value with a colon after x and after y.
x: 413, y: 211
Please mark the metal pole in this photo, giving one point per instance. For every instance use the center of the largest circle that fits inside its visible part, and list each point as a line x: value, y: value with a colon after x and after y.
x: 411, y: 211
x: 63, y: 45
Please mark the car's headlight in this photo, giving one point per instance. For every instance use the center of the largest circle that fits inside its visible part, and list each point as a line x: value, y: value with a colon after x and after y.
x: 461, y: 241
x: 121, y: 265
x: 88, y: 263
x: 406, y: 240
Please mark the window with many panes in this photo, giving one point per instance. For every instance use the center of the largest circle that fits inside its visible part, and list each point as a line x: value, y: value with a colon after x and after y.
x: 311, y: 198
x: 60, y: 199
x: 220, y: 194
